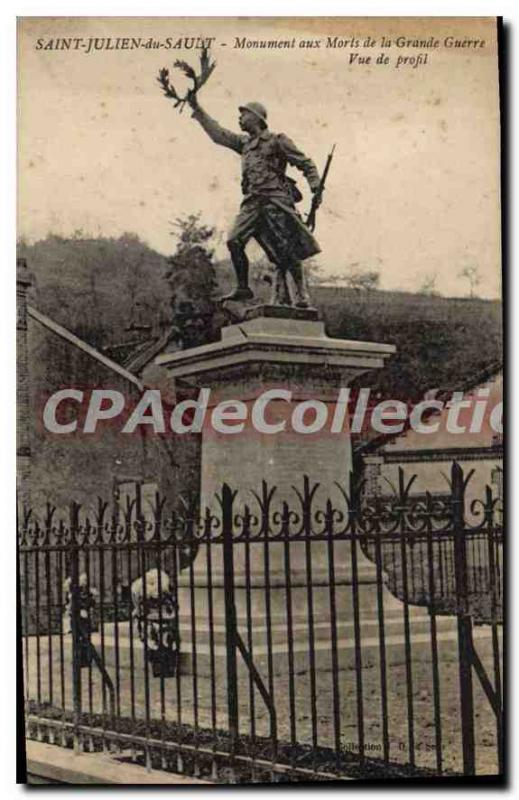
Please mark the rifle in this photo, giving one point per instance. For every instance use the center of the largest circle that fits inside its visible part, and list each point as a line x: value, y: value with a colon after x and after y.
x: 316, y: 199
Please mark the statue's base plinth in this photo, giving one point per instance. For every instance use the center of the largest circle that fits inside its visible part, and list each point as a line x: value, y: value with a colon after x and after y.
x: 281, y: 312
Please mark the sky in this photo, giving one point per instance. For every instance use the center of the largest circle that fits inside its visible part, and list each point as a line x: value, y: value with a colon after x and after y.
x: 413, y: 190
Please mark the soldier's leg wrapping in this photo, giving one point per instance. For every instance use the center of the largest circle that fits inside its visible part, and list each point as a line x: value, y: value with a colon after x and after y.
x: 242, y: 230
x: 301, y: 296
x: 280, y: 293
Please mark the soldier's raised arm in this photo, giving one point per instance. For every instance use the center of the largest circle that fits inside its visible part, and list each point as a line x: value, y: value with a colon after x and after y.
x: 296, y: 158
x: 214, y: 130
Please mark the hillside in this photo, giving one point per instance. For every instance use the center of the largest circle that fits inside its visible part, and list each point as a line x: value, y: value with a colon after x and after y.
x: 98, y: 288
x: 441, y: 342
x: 103, y: 288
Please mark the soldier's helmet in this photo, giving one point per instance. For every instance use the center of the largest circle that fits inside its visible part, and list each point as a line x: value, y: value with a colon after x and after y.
x: 257, y: 109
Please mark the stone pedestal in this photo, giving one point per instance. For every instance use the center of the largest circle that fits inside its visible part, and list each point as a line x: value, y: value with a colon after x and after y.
x: 277, y: 348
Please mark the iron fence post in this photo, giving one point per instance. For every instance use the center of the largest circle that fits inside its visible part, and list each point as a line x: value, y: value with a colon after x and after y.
x: 492, y: 568
x: 74, y: 624
x: 230, y: 615
x: 464, y: 621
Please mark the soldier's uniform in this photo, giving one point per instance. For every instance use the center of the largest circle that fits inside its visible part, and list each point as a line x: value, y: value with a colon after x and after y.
x: 268, y: 213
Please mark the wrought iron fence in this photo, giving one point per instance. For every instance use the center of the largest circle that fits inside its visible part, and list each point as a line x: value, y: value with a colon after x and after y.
x: 268, y: 640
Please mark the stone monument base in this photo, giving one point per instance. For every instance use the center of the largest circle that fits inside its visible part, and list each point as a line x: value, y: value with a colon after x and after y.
x: 277, y: 349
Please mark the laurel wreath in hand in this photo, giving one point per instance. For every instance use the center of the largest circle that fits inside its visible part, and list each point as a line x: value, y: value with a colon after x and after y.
x: 206, y: 68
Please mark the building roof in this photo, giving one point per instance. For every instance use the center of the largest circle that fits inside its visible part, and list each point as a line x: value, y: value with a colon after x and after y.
x: 142, y: 355
x: 370, y: 444
x: 75, y: 341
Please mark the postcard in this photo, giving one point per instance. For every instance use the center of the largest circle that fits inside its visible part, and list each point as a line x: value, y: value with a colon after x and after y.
x: 260, y: 399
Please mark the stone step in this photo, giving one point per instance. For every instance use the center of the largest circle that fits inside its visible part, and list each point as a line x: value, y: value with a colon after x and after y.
x: 370, y: 647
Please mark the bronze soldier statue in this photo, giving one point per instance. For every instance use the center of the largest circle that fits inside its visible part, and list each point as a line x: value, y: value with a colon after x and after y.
x: 268, y: 211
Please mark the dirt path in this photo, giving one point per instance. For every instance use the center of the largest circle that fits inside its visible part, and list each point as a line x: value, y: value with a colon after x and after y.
x: 311, y: 723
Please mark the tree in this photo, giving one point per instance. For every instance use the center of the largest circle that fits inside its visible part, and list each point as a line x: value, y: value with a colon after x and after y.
x: 354, y: 277
x: 362, y: 279
x: 99, y: 287
x: 428, y: 286
x: 192, y: 279
x: 315, y: 276
x: 472, y: 275
x: 191, y: 232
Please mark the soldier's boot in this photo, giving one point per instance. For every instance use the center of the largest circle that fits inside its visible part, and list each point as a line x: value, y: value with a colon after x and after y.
x: 301, y: 296
x: 241, y: 267
x: 280, y: 294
